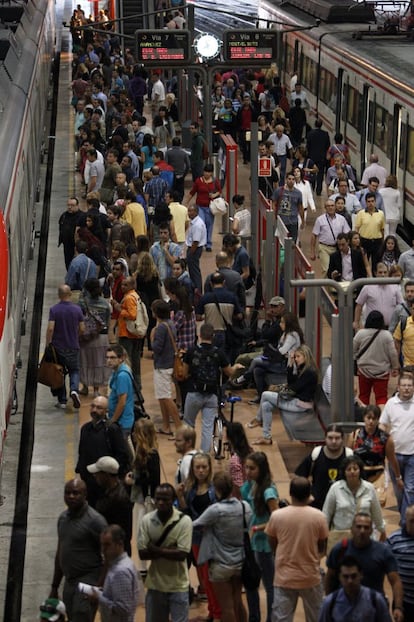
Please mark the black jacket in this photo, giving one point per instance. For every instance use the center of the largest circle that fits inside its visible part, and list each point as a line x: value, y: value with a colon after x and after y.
x: 97, y: 441
x: 357, y: 260
x: 318, y: 143
x: 304, y: 385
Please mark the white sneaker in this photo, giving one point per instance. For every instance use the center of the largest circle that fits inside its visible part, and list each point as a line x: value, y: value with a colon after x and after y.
x: 75, y: 399
x: 61, y: 405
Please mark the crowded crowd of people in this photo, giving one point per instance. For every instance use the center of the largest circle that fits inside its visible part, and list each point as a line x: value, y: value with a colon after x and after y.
x: 134, y: 281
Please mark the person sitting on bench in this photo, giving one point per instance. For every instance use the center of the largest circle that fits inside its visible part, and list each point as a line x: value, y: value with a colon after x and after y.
x: 297, y: 397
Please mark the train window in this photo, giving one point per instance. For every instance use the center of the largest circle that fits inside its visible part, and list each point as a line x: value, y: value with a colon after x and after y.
x: 353, y: 107
x: 309, y: 74
x: 327, y: 88
x: 383, y: 130
x: 410, y: 159
x: 289, y: 59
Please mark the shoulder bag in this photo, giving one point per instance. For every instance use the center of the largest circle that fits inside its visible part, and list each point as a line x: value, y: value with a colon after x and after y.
x: 364, y: 349
x: 235, y: 335
x: 250, y: 574
x: 178, y: 371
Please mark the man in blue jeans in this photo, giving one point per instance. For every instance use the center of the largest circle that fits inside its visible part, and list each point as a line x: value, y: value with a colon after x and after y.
x: 65, y: 324
x: 204, y: 365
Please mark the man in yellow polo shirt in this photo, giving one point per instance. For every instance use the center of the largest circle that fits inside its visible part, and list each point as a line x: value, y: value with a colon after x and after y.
x: 404, y: 338
x: 179, y: 212
x: 370, y: 224
x: 164, y: 537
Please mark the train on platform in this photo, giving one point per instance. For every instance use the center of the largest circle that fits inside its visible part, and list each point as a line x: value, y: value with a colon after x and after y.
x: 27, y: 47
x: 359, y: 81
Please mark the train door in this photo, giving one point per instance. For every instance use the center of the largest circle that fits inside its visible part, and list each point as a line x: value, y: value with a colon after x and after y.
x: 397, y: 138
x: 367, y: 106
x: 339, y: 100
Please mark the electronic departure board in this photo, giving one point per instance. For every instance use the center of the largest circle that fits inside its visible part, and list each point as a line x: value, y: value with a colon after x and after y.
x: 250, y: 45
x: 163, y: 46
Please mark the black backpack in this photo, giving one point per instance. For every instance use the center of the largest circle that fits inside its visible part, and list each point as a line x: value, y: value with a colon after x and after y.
x: 205, y: 369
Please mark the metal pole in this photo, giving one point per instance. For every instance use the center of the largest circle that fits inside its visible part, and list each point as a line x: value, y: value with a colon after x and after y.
x: 254, y: 182
x: 311, y: 315
x: 231, y: 178
x: 288, y: 271
x: 342, y: 338
x: 269, y: 258
x: 337, y: 386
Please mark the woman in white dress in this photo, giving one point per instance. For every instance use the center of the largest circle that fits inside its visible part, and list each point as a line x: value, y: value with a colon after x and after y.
x: 307, y: 197
x: 392, y: 204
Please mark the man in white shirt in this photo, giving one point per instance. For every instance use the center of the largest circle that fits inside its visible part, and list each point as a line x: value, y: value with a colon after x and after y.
x: 157, y: 93
x: 397, y: 419
x: 283, y: 150
x: 195, y: 240
x: 374, y: 170
x: 352, y: 205
x: 96, y: 170
x: 406, y: 261
x: 299, y: 93
x: 326, y: 229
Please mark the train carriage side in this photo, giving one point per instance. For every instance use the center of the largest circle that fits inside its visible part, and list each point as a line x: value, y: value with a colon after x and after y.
x: 370, y: 106
x: 356, y: 93
x: 24, y: 85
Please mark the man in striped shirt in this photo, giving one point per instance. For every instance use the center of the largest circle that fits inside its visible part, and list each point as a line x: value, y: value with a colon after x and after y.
x: 402, y: 545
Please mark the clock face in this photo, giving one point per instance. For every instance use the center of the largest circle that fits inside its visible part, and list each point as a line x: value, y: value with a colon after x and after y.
x: 207, y: 46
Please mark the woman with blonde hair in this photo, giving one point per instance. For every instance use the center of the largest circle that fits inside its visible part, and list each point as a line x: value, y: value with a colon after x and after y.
x: 145, y: 475
x: 279, y: 118
x: 296, y: 397
x: 195, y: 496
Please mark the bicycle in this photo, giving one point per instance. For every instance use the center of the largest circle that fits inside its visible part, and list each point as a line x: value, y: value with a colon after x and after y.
x: 221, y: 447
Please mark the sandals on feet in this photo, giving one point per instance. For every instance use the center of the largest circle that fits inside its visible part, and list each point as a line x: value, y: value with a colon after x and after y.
x: 263, y: 441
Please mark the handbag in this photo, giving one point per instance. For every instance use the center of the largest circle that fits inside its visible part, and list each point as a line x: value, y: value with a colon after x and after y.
x: 50, y: 373
x: 250, y: 573
x: 93, y: 326
x: 218, y: 206
x: 287, y: 394
x: 277, y: 388
x: 178, y: 369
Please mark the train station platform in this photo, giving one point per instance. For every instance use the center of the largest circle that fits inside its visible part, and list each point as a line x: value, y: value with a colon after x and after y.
x: 57, y: 431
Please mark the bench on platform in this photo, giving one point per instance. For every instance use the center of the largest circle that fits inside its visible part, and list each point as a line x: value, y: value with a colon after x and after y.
x: 310, y: 426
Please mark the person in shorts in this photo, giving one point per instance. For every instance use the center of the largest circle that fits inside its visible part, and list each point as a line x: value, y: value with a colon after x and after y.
x: 163, y: 342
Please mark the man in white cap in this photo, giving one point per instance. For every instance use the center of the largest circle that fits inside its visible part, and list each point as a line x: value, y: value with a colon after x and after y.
x: 114, y: 505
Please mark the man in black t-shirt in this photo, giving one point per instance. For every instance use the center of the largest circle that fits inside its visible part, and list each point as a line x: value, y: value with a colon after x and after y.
x: 322, y: 465
x: 204, y: 364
